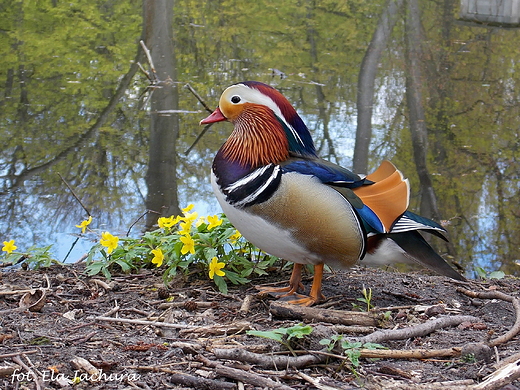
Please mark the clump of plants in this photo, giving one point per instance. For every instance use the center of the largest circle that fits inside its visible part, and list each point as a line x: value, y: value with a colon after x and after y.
x: 187, y: 243
x: 208, y: 245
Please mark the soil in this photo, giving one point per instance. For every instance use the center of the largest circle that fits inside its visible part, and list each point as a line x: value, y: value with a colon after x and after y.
x: 76, y: 332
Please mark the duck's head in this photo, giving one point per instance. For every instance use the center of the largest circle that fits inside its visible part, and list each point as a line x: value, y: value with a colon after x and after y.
x: 257, y: 108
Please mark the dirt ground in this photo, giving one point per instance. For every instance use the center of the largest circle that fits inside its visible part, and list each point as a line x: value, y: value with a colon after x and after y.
x: 73, y: 328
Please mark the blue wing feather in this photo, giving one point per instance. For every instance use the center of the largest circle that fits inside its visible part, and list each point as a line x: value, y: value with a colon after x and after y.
x: 327, y: 172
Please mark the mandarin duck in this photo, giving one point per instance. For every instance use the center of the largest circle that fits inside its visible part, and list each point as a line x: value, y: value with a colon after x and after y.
x: 288, y: 202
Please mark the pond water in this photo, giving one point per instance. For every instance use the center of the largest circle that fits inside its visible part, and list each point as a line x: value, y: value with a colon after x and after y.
x: 82, y: 127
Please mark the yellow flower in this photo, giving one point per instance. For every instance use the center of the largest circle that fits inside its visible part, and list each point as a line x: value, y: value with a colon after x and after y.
x: 215, y: 268
x: 167, y: 222
x: 9, y: 247
x: 200, y: 221
x: 214, y: 221
x: 185, y: 228
x: 109, y: 241
x: 189, y: 245
x: 190, y: 217
x: 234, y: 237
x: 83, y: 225
x: 158, y: 257
x: 187, y: 208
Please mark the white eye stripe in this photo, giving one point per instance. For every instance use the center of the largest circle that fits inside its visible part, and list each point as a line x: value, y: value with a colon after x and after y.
x: 251, y: 95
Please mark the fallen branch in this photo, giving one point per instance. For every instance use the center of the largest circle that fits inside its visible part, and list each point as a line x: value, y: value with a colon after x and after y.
x: 399, y: 354
x: 504, y: 297
x: 315, y: 382
x: 216, y: 330
x: 244, y: 376
x: 197, y: 382
x: 287, y: 310
x: 144, y: 322
x: 417, y: 330
x: 513, y: 331
x: 37, y: 381
x: 8, y: 355
x: 265, y: 360
x: 501, y: 377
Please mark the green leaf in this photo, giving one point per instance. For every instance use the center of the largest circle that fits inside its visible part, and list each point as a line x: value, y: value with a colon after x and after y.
x: 497, y: 275
x: 221, y: 284
x: 94, y: 268
x: 271, y: 334
x: 481, y: 272
x: 298, y: 331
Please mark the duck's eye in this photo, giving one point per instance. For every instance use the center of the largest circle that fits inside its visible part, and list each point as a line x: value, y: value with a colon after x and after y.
x: 235, y: 99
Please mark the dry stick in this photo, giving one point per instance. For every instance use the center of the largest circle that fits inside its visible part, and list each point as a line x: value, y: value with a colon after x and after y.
x: 501, y: 377
x: 149, y: 58
x: 513, y: 331
x: 74, y: 194
x: 206, y: 128
x: 188, y: 380
x: 287, y: 310
x: 7, y: 355
x: 199, y: 98
x: 316, y: 383
x: 504, y: 297
x: 398, y: 354
x: 267, y: 361
x: 243, y: 376
x: 147, y: 323
x: 37, y: 381
x: 138, y: 219
x: 417, y: 330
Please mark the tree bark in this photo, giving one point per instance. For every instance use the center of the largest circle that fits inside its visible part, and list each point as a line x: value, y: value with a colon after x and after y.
x: 161, y: 177
x: 366, y: 84
x: 417, y: 118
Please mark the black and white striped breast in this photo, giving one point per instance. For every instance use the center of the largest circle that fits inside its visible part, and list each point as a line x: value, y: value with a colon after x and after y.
x: 252, y: 188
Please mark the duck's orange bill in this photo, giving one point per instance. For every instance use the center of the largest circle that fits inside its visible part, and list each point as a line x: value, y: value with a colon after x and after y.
x: 215, y: 116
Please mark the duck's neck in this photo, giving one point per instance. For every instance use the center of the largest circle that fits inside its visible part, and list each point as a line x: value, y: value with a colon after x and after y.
x: 258, y: 139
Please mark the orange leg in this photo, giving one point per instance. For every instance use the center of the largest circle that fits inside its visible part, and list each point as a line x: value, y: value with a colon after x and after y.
x: 315, y: 295
x: 294, y: 284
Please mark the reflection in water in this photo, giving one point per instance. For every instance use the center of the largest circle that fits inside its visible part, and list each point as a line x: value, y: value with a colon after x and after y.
x: 70, y: 105
x: 161, y: 178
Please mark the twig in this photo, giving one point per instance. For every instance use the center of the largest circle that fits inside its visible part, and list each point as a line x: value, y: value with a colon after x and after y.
x: 504, y: 297
x: 8, y: 355
x: 417, y: 330
x: 513, y: 331
x: 243, y: 376
x: 314, y: 382
x: 199, y: 98
x: 486, y: 294
x: 37, y: 380
x: 147, y: 323
x: 246, y: 304
x: 74, y: 194
x: 267, y: 361
x: 204, y: 130
x: 150, y: 62
x: 501, y: 377
x: 216, y: 330
x: 138, y: 219
x: 287, y: 310
x: 399, y: 354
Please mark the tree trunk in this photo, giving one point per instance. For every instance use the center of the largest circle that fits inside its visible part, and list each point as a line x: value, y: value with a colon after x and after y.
x: 161, y: 178
x: 418, y: 129
x: 366, y: 83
